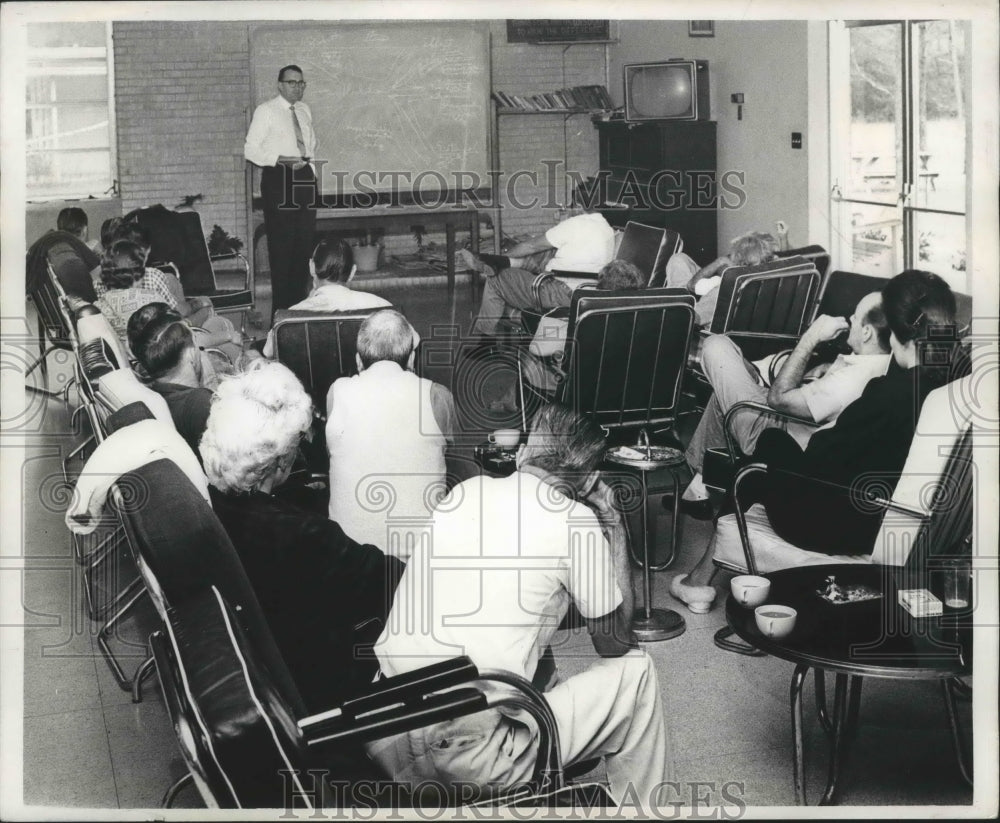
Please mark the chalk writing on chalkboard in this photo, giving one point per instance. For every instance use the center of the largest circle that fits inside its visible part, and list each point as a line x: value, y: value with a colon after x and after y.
x: 558, y: 31
x: 395, y: 106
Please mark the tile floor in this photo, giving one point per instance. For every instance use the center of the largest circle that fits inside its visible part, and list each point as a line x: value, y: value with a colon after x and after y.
x: 86, y: 745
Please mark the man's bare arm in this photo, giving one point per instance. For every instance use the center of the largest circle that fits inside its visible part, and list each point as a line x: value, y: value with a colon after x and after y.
x: 786, y: 390
x: 612, y: 634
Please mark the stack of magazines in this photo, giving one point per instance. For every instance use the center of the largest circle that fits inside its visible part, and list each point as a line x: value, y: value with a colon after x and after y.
x: 578, y: 97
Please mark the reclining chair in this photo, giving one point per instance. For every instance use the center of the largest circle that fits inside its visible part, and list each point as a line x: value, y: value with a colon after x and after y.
x: 247, y: 746
x: 623, y: 365
x: 177, y: 242
x: 647, y: 247
x: 54, y: 332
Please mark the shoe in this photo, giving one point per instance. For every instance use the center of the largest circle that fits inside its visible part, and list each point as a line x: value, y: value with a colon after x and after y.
x: 698, y: 509
x: 698, y: 599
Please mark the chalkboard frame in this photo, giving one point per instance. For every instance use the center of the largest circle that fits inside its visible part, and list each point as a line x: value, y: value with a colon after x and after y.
x: 373, y: 198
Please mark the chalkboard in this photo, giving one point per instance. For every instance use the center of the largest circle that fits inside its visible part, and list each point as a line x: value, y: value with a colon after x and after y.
x: 410, y: 98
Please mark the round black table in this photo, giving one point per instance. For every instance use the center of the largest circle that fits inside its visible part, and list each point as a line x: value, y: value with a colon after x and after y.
x: 874, y: 638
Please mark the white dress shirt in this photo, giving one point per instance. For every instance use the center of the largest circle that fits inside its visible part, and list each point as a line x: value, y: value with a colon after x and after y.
x: 272, y: 132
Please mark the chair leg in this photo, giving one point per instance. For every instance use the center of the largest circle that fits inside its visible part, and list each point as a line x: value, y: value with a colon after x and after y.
x: 92, y: 563
x: 124, y: 683
x: 722, y: 639
x: 174, y: 790
x: 145, y: 670
x: 821, y: 712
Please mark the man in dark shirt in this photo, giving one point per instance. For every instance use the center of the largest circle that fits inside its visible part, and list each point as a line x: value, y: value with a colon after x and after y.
x: 65, y: 247
x: 325, y: 596
x: 162, y: 343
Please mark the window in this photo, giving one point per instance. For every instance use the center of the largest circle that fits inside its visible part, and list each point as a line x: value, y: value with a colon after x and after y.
x: 899, y: 146
x: 69, y: 117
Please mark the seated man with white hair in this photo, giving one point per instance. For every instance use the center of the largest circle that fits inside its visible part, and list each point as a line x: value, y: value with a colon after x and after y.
x: 386, y: 432
x: 319, y: 589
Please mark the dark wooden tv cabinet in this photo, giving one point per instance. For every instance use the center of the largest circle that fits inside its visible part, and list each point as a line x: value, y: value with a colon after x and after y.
x: 663, y: 172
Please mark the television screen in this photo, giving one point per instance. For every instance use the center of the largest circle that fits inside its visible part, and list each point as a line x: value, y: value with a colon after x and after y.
x: 667, y: 90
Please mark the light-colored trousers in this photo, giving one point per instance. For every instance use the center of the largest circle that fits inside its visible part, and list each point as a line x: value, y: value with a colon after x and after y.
x: 613, y: 709
x: 734, y: 380
x: 511, y: 289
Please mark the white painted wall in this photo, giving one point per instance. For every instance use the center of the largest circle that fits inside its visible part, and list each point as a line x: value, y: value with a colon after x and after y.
x: 768, y: 62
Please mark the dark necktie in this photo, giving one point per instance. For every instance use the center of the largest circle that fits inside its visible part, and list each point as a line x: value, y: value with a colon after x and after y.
x: 298, y: 132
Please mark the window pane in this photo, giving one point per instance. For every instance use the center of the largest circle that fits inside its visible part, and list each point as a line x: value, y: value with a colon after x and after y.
x: 875, y: 240
x: 874, y: 133
x: 77, y: 127
x: 939, y: 83
x: 67, y: 174
x: 939, y: 246
x: 62, y: 89
x: 53, y: 35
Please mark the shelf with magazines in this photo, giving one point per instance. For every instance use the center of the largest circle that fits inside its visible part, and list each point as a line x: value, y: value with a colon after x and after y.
x: 574, y: 100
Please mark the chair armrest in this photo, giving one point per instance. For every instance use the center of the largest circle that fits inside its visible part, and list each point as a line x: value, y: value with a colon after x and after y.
x: 741, y: 504
x: 403, y: 688
x: 536, y: 285
x: 240, y: 259
x: 760, y: 408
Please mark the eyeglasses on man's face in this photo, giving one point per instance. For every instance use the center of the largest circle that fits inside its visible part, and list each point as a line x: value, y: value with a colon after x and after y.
x: 294, y: 82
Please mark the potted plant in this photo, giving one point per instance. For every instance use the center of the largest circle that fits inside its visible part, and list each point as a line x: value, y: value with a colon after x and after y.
x: 366, y: 252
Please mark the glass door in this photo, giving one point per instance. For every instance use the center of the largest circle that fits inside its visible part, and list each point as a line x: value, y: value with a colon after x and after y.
x: 898, y: 103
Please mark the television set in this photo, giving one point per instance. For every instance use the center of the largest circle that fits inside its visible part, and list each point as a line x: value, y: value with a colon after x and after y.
x: 667, y: 90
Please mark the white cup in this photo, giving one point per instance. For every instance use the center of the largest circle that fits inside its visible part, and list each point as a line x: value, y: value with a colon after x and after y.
x: 506, y: 437
x: 774, y: 620
x: 750, y: 590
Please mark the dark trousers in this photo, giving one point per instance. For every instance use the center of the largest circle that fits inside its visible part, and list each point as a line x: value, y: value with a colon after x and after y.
x: 290, y: 202
x: 812, y: 513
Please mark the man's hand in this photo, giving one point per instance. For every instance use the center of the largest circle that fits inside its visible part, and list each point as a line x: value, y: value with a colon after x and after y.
x: 602, y: 499
x: 826, y: 328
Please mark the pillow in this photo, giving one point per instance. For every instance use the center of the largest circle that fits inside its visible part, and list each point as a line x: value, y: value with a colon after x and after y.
x: 121, y: 387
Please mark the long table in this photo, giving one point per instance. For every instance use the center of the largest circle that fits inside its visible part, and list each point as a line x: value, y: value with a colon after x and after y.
x: 400, y: 218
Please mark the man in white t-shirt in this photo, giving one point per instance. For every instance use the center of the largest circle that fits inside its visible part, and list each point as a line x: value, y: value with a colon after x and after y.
x: 505, y: 558
x: 582, y: 243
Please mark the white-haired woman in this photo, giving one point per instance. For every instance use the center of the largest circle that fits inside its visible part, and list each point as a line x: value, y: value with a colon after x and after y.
x: 315, y: 584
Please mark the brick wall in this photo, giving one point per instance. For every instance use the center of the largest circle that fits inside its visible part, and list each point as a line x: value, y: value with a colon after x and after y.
x: 181, y: 92
x: 526, y: 140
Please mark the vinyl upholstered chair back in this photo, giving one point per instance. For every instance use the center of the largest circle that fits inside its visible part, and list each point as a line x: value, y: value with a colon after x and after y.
x: 766, y: 308
x: 626, y: 354
x: 319, y: 348
x: 236, y: 731
x: 815, y: 253
x: 175, y: 534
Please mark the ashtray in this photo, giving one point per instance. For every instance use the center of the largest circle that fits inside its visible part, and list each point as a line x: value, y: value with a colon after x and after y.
x: 840, y: 594
x: 648, y: 457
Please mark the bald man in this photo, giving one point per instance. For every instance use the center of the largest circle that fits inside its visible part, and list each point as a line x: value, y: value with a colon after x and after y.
x: 819, y: 395
x: 387, y: 431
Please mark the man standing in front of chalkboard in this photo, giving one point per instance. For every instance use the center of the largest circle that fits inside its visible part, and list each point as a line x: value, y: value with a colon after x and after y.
x: 282, y: 142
